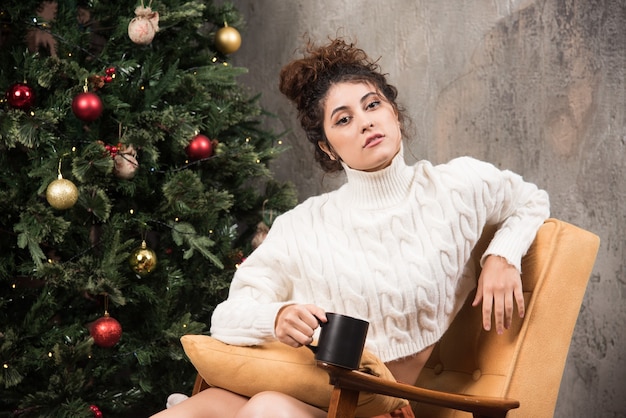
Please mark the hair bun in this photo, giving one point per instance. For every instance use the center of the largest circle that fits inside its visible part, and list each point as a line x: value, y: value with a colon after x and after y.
x: 301, y: 79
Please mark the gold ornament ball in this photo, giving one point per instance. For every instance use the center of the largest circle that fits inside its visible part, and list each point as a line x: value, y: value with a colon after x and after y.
x: 227, y: 40
x: 61, y: 194
x: 143, y: 260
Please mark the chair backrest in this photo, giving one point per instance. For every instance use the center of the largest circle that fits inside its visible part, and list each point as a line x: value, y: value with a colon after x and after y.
x: 526, y: 362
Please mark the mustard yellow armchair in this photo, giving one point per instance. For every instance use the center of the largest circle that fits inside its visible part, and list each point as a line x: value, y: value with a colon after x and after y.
x: 472, y: 372
x: 518, y: 374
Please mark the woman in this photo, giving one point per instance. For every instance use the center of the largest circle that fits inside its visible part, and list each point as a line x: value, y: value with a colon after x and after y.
x: 390, y: 246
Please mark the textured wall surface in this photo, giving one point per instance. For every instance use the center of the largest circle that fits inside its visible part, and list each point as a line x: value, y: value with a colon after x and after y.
x: 537, y: 87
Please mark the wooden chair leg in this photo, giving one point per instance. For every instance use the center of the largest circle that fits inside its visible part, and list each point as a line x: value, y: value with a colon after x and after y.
x: 199, y: 385
x: 343, y: 403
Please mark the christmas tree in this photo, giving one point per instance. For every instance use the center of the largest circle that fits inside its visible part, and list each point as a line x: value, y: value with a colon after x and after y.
x: 133, y: 176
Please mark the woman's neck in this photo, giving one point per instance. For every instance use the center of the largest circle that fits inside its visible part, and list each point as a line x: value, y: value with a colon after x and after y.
x: 379, y: 189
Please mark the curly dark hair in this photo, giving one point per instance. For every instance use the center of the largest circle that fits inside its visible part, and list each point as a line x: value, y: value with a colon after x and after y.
x: 306, y: 82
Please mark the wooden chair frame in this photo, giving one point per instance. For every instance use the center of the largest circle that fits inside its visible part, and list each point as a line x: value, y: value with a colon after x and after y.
x: 349, y: 383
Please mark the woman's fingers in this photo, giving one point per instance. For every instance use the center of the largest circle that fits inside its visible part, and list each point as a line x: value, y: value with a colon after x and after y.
x: 295, y: 324
x: 499, y: 289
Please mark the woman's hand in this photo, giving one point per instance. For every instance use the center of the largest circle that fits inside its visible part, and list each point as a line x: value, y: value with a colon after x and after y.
x: 295, y: 324
x: 499, y: 285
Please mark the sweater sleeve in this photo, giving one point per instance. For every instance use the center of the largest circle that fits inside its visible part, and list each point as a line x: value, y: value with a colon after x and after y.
x: 259, y: 289
x: 517, y: 206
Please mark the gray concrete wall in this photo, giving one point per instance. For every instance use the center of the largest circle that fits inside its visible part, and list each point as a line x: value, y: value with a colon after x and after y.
x: 533, y: 86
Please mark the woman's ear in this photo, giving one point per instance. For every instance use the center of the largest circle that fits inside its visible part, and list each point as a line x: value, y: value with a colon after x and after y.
x: 328, y: 150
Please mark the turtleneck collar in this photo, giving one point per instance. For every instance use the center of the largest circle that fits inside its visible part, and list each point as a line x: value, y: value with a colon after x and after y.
x: 379, y: 189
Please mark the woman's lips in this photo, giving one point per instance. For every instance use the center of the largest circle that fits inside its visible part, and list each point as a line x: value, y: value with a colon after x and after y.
x: 373, y: 140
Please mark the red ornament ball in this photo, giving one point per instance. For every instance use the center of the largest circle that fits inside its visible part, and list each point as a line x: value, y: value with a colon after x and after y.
x: 199, y: 147
x: 87, y: 106
x: 20, y: 96
x: 106, y: 331
x: 97, y: 413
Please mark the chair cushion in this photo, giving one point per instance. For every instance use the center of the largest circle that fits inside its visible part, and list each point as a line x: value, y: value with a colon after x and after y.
x: 248, y: 370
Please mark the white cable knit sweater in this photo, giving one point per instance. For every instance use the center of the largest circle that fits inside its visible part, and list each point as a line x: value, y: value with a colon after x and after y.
x: 390, y: 247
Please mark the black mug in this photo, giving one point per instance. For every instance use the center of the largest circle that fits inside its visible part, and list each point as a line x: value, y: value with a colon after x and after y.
x: 341, y: 341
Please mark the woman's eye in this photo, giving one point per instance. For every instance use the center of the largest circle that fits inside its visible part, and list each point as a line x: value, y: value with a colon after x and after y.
x: 343, y: 121
x: 373, y: 104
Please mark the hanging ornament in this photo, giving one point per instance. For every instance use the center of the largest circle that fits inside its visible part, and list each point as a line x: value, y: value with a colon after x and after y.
x: 126, y: 163
x: 105, y: 331
x: 144, y: 26
x: 143, y: 260
x: 199, y: 147
x: 20, y: 96
x: 227, y: 39
x: 61, y: 193
x: 87, y: 106
x: 96, y: 411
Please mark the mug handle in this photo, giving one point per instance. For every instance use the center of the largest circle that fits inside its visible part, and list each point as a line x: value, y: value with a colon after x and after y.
x: 314, y: 348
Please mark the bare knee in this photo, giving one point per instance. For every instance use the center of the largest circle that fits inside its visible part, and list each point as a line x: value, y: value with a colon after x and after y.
x: 278, y: 405
x: 210, y: 403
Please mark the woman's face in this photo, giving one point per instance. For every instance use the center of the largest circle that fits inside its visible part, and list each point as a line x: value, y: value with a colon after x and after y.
x: 361, y: 126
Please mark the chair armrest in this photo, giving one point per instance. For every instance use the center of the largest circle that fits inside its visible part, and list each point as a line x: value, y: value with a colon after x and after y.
x: 479, y: 406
